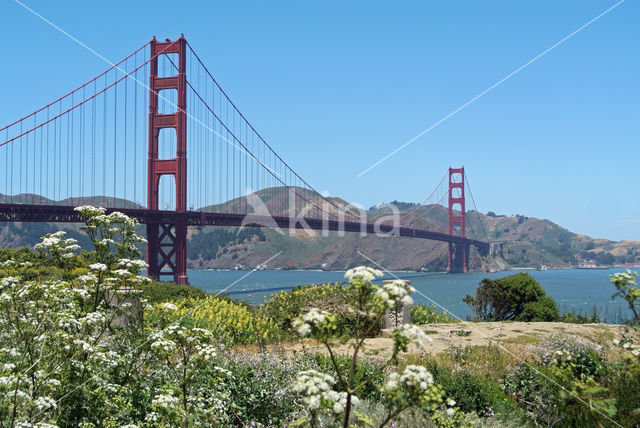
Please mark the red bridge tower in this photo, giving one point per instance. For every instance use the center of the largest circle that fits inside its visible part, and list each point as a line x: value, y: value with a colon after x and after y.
x: 458, y: 253
x: 167, y: 238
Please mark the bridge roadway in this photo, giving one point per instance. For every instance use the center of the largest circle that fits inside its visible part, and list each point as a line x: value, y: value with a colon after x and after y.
x: 66, y: 214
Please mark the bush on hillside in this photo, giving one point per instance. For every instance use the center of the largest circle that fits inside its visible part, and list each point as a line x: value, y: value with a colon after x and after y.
x: 158, y: 292
x: 285, y: 306
x: 516, y: 297
x: 473, y: 392
x: 423, y: 314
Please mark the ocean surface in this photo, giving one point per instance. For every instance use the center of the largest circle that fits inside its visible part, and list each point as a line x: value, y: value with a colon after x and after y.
x: 574, y: 290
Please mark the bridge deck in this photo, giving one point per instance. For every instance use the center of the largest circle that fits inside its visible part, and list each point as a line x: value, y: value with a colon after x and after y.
x: 66, y: 214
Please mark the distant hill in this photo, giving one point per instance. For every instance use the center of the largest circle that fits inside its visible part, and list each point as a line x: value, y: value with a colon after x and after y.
x: 526, y: 242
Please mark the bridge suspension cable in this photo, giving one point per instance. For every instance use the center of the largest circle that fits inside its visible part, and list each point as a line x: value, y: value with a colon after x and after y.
x: 269, y: 167
x: 475, y: 210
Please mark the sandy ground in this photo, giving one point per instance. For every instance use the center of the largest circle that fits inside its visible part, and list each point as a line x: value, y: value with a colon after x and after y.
x: 509, y: 334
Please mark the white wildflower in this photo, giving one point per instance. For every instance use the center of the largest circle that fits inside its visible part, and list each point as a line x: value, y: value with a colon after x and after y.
x: 163, y: 345
x: 413, y: 377
x: 98, y: 267
x: 122, y: 273
x: 414, y: 334
x: 168, y: 402
x: 395, y: 292
x: 304, y: 324
x: 317, y: 393
x: 364, y: 272
x: 169, y: 306
x: 89, y: 211
x: 45, y: 403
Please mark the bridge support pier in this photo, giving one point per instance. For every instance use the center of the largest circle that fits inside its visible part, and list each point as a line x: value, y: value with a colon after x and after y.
x: 167, y: 251
x: 458, y: 258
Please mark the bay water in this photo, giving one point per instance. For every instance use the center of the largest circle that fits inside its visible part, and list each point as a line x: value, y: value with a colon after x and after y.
x: 574, y: 290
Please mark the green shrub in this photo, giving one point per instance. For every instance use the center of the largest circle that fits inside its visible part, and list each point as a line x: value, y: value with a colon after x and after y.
x: 586, y: 357
x: 158, y: 292
x: 567, y: 389
x: 424, y: 314
x: 472, y: 392
x: 537, y: 396
x: 543, y: 309
x: 364, y: 369
x: 261, y: 388
x: 285, y: 306
x: 579, y: 318
x: 553, y: 396
x: 623, y: 379
x: 516, y: 297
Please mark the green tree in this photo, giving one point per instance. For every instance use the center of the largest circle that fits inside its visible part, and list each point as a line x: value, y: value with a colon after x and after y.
x: 516, y: 297
x: 625, y: 283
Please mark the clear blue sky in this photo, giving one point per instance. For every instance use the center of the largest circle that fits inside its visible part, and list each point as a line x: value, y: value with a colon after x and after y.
x: 335, y: 86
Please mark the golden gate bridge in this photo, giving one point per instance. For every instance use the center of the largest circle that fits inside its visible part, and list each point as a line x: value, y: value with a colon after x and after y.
x: 203, y: 161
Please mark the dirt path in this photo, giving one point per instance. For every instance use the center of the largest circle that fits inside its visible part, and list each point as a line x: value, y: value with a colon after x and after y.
x: 448, y: 336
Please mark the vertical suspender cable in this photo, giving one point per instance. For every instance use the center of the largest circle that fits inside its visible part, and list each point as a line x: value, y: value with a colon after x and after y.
x: 41, y: 192
x: 69, y: 170
x: 115, y: 139
x: 93, y: 143
x: 6, y: 170
x: 20, y: 165
x: 126, y: 96
x: 104, y: 143
x: 67, y: 145
x: 81, y: 141
x: 57, y: 173
x: 135, y: 132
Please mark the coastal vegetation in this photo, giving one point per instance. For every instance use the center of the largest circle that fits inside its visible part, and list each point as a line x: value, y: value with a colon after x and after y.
x: 517, y: 297
x: 86, y: 340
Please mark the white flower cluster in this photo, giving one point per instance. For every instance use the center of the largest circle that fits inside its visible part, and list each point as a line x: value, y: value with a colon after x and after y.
x: 122, y: 273
x: 450, y: 407
x: 169, y: 306
x: 631, y: 347
x: 45, y: 403
x: 55, y: 244
x: 89, y: 211
x: 94, y: 319
x: 316, y: 392
x: 312, y: 318
x: 51, y: 240
x: 395, y: 292
x: 207, y: 352
x: 118, y: 217
x: 163, y: 345
x: 131, y: 264
x: 98, y: 267
x: 414, y: 334
x: 411, y: 378
x: 165, y: 401
x: 9, y: 282
x: 364, y: 272
x: 87, y: 279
